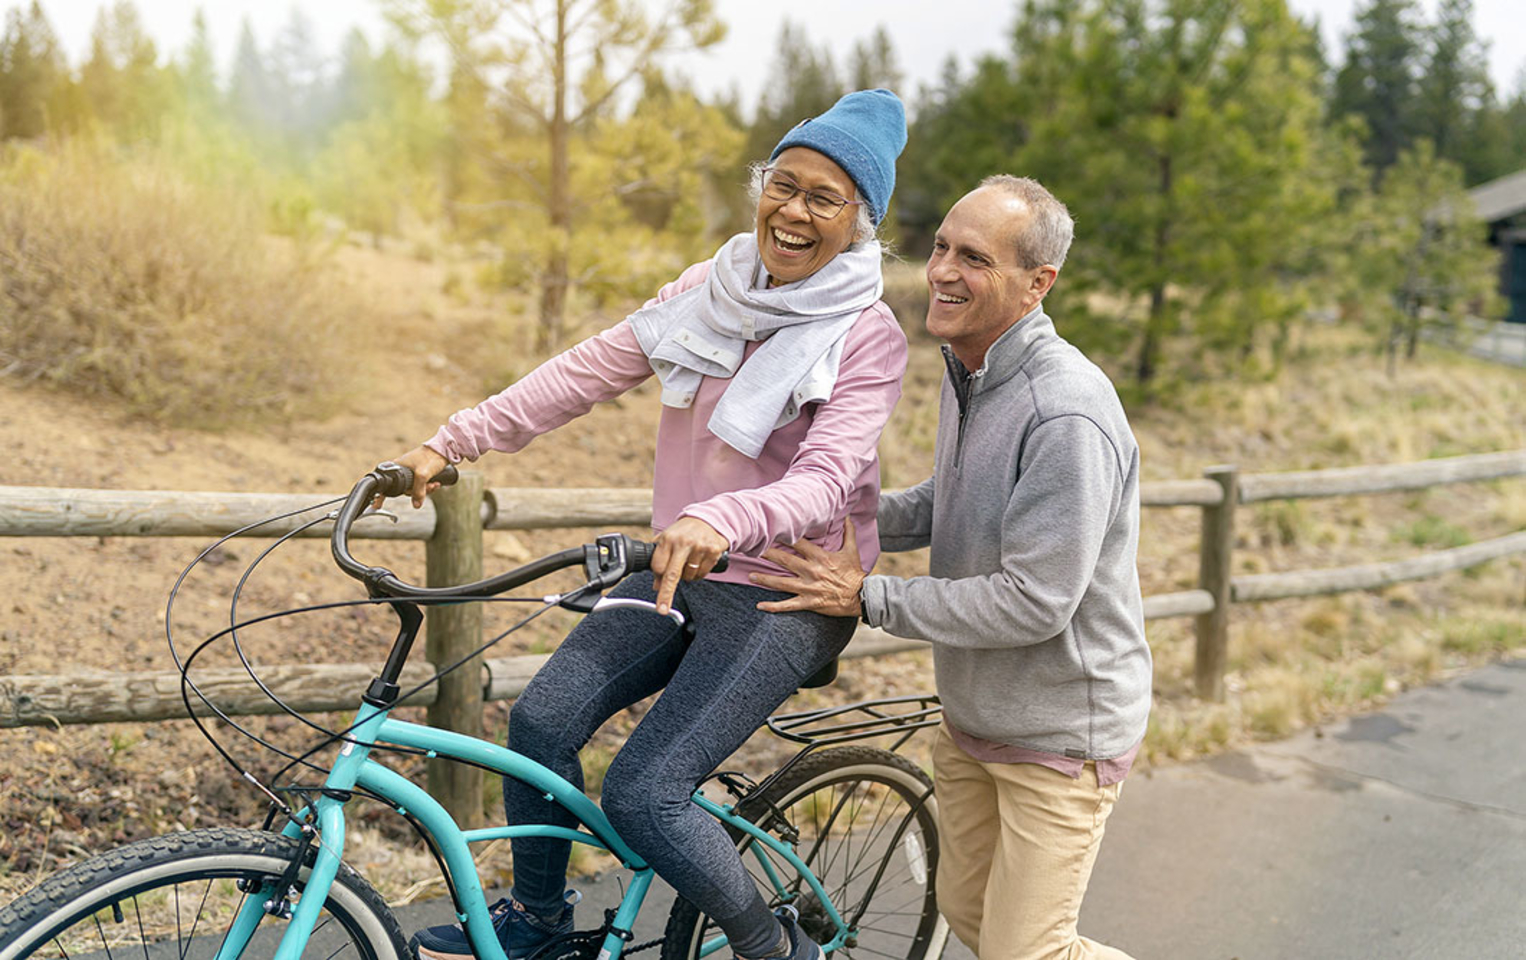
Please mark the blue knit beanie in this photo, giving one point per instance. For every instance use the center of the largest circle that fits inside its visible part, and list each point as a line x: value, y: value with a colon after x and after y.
x: 863, y: 133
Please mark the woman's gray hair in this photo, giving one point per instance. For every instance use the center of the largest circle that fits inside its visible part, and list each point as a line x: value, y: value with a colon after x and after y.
x: 1045, y: 239
x: 863, y: 225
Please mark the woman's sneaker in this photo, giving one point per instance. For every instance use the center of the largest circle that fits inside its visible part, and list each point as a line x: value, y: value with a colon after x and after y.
x: 801, y: 946
x: 518, y: 930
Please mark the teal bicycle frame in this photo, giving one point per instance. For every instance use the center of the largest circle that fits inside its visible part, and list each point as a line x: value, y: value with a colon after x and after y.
x: 354, y: 768
x: 606, y: 563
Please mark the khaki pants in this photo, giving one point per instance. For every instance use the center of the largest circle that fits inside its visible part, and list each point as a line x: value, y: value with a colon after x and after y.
x: 1016, y: 846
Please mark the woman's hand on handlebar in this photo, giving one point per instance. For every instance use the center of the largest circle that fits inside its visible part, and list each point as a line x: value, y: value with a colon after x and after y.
x: 424, y: 463
x: 686, y: 550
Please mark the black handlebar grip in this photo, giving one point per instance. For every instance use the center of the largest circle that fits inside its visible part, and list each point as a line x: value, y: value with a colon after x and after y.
x: 639, y: 558
x: 396, y: 480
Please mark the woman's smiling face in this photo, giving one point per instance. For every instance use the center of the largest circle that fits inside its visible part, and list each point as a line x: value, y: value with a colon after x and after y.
x: 794, y: 242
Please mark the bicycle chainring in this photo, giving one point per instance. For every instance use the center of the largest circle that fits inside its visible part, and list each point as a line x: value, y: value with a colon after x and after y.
x: 579, y: 945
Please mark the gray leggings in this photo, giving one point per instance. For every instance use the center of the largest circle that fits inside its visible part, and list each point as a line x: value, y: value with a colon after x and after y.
x: 741, y: 665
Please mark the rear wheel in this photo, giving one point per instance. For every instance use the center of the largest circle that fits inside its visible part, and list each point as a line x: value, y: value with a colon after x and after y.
x: 868, y: 828
x: 175, y: 897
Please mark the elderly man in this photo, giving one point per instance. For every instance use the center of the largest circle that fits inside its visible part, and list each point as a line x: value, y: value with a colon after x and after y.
x: 1032, y: 600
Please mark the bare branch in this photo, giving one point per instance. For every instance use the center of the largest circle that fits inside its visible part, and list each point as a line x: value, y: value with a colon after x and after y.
x: 528, y: 24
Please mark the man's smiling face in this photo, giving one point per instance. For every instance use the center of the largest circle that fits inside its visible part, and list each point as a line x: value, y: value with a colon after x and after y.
x: 977, y: 288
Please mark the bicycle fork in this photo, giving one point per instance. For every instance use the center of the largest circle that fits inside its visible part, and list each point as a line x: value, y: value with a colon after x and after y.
x: 272, y: 899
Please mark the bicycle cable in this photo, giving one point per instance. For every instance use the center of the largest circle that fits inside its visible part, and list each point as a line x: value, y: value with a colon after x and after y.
x: 238, y: 645
x: 232, y: 631
x: 336, y: 735
x: 546, y: 605
x: 169, y: 607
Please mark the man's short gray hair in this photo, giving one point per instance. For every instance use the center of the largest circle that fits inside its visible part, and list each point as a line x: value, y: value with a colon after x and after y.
x: 863, y: 224
x: 1046, y: 237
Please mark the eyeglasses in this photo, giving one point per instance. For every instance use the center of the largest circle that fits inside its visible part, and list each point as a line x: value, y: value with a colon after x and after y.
x: 822, y: 203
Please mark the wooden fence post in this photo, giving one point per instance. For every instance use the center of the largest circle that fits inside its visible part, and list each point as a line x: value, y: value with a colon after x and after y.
x: 1214, y: 561
x: 454, y: 555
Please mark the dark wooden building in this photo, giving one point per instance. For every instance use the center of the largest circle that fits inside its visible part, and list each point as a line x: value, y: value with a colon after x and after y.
x: 1502, y: 205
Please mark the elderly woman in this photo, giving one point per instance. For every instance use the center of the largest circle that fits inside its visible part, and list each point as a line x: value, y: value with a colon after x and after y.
x: 779, y: 367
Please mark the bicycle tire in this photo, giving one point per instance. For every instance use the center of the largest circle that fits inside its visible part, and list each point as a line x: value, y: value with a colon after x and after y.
x: 134, y: 901
x: 870, y: 867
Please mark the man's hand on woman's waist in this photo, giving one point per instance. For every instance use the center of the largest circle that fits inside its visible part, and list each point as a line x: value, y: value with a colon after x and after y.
x: 827, y: 583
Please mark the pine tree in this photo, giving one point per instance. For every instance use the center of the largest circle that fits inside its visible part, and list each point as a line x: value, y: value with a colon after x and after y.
x: 196, y: 72
x: 1187, y: 138
x: 1379, y: 80
x: 298, y: 84
x: 1513, y: 132
x: 378, y: 168
x: 33, y: 75
x: 965, y: 129
x: 1422, y: 255
x: 251, y: 89
x: 873, y: 63
x: 355, y: 92
x: 560, y: 66
x: 124, y: 86
x: 1456, y: 96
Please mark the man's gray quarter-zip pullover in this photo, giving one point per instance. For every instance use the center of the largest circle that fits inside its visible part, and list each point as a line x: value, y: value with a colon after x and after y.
x: 1032, y: 594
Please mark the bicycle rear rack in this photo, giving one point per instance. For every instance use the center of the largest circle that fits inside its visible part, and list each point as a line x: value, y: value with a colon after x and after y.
x: 828, y: 726
x: 858, y: 721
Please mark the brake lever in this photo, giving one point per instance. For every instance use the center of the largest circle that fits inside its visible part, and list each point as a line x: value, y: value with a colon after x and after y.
x: 367, y: 512
x: 631, y: 603
x: 578, y: 600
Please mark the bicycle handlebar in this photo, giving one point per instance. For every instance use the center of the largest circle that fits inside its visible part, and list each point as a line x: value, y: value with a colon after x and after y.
x: 396, y: 479
x: 606, y: 561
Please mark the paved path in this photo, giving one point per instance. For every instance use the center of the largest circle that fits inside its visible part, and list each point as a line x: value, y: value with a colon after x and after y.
x: 1399, y: 835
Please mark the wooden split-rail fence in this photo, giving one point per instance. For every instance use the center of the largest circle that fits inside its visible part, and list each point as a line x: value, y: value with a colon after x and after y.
x: 453, y: 523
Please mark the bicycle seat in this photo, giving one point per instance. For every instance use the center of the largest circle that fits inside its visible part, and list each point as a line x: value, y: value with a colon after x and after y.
x: 822, y: 677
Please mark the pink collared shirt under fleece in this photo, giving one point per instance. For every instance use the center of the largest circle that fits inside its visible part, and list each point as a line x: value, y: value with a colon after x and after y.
x: 812, y: 473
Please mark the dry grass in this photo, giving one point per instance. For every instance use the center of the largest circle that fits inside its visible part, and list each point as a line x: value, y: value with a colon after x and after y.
x: 124, y: 280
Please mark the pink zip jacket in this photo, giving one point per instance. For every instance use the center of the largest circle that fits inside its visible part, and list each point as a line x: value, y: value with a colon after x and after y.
x: 812, y: 473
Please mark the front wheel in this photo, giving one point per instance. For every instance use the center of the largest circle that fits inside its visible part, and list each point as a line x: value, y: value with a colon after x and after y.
x: 867, y: 827
x: 175, y: 898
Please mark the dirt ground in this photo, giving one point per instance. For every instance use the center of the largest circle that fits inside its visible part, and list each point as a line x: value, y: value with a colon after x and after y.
x: 98, y: 604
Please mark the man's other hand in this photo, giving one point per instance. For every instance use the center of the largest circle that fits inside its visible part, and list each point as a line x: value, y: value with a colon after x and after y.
x: 824, y: 582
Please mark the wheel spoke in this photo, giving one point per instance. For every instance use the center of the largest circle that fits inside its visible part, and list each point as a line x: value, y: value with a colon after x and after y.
x: 142, y: 937
x: 206, y: 892
x: 102, y: 932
